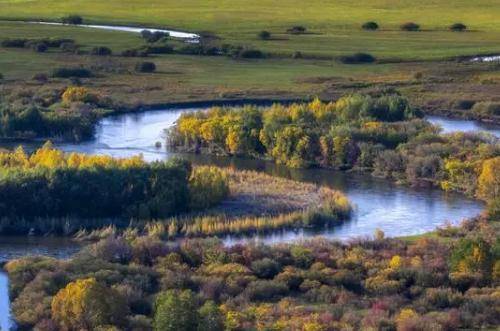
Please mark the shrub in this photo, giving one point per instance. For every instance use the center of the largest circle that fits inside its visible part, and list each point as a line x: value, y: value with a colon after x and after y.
x: 57, y: 42
x: 86, y: 304
x: 134, y: 53
x: 370, y: 26
x: 263, y: 290
x: 152, y: 37
x: 14, y: 43
x: 464, y: 104
x: 297, y: 29
x: 175, y: 311
x: 66, y: 72
x: 208, y: 186
x: 101, y: 51
x: 78, y: 94
x: 1, y: 76
x: 251, y: 54
x: 145, y: 67
x: 164, y: 49
x: 486, y: 109
x: 264, y: 35
x: 458, y: 27
x: 357, y: 58
x: 39, y: 47
x: 41, y: 77
x: 68, y: 47
x: 297, y: 55
x: 266, y: 268
x: 72, y: 19
x: 410, y: 26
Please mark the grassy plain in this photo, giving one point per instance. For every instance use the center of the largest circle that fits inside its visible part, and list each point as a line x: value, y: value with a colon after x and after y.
x: 416, y: 63
x: 334, y: 26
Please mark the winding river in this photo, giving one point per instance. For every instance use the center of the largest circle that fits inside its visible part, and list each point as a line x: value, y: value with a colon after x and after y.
x: 396, y: 210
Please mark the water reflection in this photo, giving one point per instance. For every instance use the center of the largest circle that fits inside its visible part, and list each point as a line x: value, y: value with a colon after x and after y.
x: 379, y: 204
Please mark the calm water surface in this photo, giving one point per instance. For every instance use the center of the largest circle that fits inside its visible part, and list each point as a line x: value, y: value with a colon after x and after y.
x: 396, y: 210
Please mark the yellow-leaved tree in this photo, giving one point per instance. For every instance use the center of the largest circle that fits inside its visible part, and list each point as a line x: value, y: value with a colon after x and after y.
x: 86, y: 304
x: 489, y: 180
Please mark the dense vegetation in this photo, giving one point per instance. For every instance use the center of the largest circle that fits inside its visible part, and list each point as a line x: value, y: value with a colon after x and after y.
x: 70, y: 113
x: 383, y: 135
x: 257, y: 203
x: 133, y: 282
x: 53, y: 191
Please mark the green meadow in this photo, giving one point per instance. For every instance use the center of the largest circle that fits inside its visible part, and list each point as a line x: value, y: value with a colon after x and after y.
x: 333, y: 27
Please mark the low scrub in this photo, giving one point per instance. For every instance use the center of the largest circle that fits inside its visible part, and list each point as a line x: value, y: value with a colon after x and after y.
x: 72, y: 19
x: 410, y: 26
x: 264, y: 35
x: 357, y: 58
x: 146, y: 67
x: 14, y: 43
x: 101, y: 51
x: 68, y: 72
x: 371, y: 26
x: 297, y: 29
x: 458, y: 27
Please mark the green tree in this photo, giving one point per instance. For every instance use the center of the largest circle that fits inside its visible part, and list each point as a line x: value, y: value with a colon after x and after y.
x: 210, y: 317
x: 175, y: 311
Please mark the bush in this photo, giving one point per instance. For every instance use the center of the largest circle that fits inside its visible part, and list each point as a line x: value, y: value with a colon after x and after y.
x: 464, y: 104
x: 78, y: 94
x: 68, y: 47
x: 297, y: 29
x: 101, y: 51
x: 1, y: 76
x: 410, y: 26
x: 208, y: 186
x: 145, y: 67
x: 14, y: 43
x: 39, y: 47
x: 134, y: 53
x: 65, y: 72
x: 266, y: 268
x: 264, y: 35
x: 251, y: 54
x: 357, y: 58
x: 263, y: 290
x: 72, y: 19
x: 57, y: 42
x: 152, y: 37
x: 41, y: 77
x: 370, y: 26
x: 164, y: 49
x: 458, y: 27
x: 486, y: 109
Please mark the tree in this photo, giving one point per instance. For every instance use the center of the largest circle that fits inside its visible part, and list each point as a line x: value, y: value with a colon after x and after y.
x: 210, y: 317
x: 86, y: 304
x: 175, y: 311
x: 370, y: 26
x: 264, y: 35
x: 489, y: 180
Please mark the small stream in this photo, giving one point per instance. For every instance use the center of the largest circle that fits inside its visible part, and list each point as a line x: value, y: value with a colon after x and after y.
x: 193, y: 37
x: 379, y: 204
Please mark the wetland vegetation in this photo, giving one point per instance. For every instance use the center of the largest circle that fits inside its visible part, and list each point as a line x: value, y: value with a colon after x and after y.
x: 155, y: 239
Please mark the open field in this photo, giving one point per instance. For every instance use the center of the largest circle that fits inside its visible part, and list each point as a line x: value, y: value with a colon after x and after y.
x: 334, y: 27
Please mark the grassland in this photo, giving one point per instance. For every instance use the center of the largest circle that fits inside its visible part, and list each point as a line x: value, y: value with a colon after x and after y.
x: 334, y: 26
x: 416, y: 63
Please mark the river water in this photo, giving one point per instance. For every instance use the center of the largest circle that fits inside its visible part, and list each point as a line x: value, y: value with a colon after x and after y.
x: 379, y: 204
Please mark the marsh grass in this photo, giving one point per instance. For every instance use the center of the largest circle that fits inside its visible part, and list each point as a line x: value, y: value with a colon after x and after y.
x: 257, y: 203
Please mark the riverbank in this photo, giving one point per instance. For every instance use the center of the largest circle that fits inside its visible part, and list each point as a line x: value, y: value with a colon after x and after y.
x: 349, y: 276
x: 257, y: 204
x: 441, y: 86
